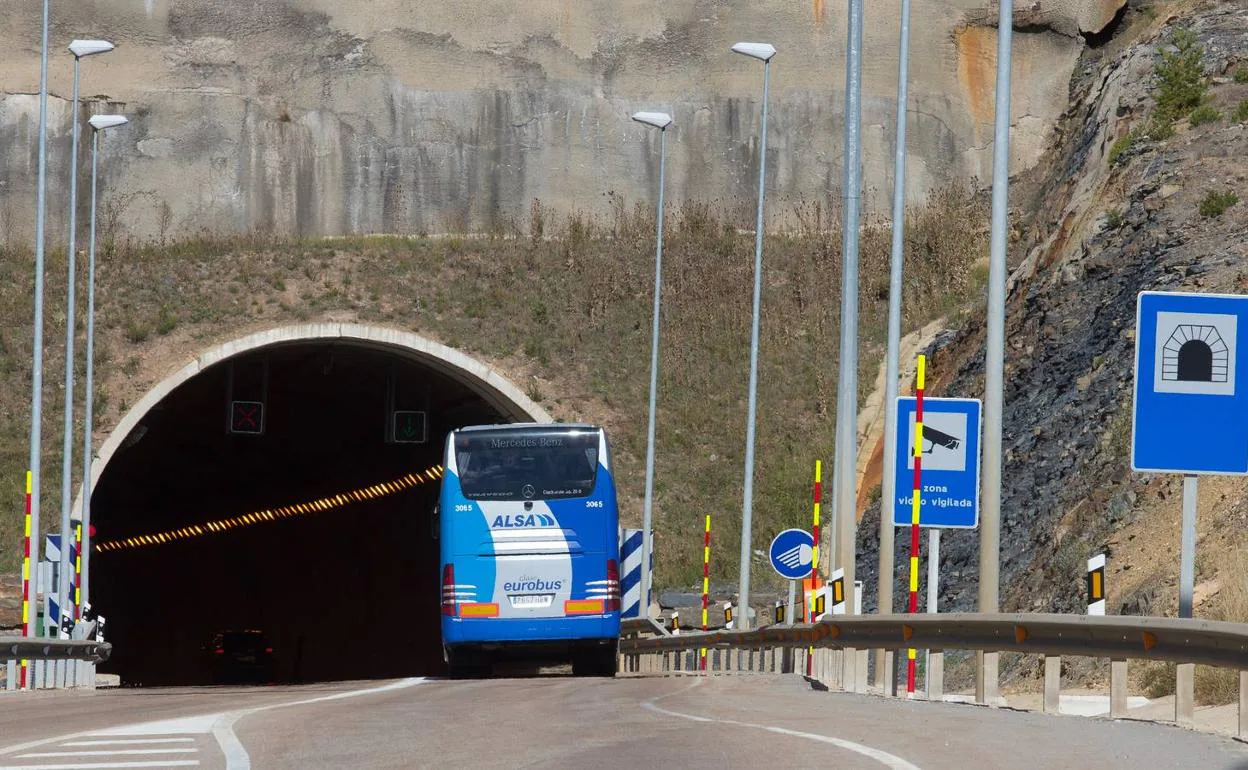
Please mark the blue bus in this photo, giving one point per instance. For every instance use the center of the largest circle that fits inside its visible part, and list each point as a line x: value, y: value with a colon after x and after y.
x: 528, y: 532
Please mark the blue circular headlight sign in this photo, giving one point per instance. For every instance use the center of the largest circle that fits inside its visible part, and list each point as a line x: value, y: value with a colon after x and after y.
x: 792, y: 554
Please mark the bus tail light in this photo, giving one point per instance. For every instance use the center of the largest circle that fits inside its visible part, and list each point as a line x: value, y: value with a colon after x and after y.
x: 448, y: 589
x: 613, y: 585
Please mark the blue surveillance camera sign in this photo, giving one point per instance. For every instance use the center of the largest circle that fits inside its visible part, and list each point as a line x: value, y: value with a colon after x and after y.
x: 1191, y: 392
x: 950, y: 463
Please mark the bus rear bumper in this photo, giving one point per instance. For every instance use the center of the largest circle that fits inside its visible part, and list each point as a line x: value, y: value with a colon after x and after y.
x: 512, y: 632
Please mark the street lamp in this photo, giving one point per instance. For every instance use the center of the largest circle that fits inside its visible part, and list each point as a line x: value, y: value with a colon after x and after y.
x: 98, y: 124
x: 764, y: 53
x: 659, y: 120
x: 79, y: 48
x: 33, y: 481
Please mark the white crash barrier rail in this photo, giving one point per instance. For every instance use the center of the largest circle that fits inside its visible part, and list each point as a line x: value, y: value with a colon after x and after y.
x: 53, y: 649
x: 41, y: 674
x: 783, y: 648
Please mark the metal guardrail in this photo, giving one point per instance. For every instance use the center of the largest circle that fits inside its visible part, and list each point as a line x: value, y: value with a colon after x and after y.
x: 1208, y: 642
x: 1182, y: 641
x: 630, y: 627
x: 54, y: 649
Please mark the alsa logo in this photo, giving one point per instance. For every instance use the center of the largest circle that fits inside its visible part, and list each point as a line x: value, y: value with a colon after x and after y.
x: 509, y: 521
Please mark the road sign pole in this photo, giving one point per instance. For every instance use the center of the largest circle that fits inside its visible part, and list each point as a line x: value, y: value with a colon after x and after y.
x: 1187, y: 553
x: 1185, y: 679
x: 789, y: 616
x: 934, y: 660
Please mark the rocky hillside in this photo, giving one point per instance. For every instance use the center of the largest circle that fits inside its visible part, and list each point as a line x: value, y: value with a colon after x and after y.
x: 326, y: 117
x: 1142, y: 191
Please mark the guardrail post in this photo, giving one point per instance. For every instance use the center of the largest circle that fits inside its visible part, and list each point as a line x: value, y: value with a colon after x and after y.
x: 1184, y: 694
x: 935, y: 676
x: 1243, y: 705
x: 1117, y: 689
x: 1052, y: 684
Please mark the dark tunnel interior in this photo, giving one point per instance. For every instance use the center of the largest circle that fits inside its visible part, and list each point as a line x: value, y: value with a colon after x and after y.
x: 317, y: 585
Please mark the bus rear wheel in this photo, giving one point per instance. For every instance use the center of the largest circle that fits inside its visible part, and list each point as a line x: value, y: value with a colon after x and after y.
x: 468, y: 666
x: 597, y: 662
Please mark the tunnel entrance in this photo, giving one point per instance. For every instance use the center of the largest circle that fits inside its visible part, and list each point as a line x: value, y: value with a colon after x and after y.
x: 335, y: 415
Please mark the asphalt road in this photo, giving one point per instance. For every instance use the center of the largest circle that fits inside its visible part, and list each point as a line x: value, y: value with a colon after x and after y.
x: 720, y: 722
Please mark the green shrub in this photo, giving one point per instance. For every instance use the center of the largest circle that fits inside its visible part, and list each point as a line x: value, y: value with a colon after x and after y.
x: 1157, y: 678
x: 1204, y: 114
x: 1114, y: 218
x: 1181, y: 76
x: 1217, y: 202
x: 1160, y: 128
x: 166, y: 322
x: 1241, y: 74
x: 136, y: 332
x: 1121, y: 145
x: 1240, y: 115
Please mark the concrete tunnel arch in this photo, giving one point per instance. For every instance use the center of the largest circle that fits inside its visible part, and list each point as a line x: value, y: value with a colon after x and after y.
x: 497, y: 399
x: 491, y: 386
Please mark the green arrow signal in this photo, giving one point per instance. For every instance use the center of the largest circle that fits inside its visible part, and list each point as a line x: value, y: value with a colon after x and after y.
x: 409, y: 430
x: 406, y: 429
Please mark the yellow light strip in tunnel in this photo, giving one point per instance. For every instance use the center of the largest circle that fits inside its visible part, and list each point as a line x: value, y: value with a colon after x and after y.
x: 373, y: 492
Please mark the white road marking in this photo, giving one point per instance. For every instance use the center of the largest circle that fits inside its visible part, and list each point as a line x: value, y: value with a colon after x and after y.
x: 236, y: 757
x: 199, y: 725
x: 108, y: 753
x: 883, y: 757
x: 219, y: 725
x: 128, y: 741
x: 104, y: 765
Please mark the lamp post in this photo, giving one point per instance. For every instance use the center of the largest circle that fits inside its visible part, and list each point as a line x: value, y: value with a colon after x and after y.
x: 79, y: 48
x: 764, y: 53
x: 98, y: 124
x: 987, y: 680
x: 661, y: 121
x: 36, y: 385
x: 845, y: 466
x: 883, y: 658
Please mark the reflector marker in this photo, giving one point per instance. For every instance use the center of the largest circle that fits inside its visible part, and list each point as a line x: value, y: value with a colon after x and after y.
x: 257, y: 517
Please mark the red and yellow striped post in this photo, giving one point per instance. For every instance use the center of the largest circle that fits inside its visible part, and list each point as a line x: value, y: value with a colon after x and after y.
x: 26, y: 581
x: 814, y: 530
x: 706, y: 582
x: 814, y: 557
x: 78, y: 571
x: 914, y: 513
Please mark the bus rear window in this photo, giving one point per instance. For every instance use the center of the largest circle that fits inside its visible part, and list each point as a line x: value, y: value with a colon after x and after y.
x: 527, y: 465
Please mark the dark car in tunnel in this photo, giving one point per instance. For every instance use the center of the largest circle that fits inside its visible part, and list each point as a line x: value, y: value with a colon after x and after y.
x: 235, y: 657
